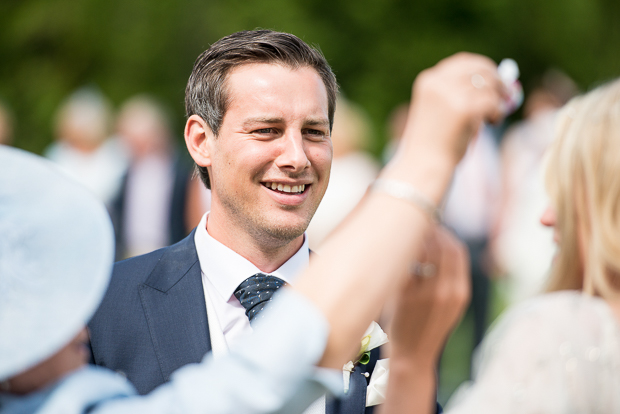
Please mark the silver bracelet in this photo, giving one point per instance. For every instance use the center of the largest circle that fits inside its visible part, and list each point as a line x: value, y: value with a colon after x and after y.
x: 407, y: 192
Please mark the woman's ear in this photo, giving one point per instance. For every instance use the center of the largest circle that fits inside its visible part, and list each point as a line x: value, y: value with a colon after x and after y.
x: 198, y: 138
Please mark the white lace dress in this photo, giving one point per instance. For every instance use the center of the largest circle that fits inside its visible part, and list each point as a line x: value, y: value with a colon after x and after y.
x: 557, y: 353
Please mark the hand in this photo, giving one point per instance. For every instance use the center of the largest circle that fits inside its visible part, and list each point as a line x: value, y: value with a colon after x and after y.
x: 428, y: 308
x: 450, y: 101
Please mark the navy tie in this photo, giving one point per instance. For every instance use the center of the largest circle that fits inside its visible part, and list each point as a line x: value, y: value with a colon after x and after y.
x: 256, y: 292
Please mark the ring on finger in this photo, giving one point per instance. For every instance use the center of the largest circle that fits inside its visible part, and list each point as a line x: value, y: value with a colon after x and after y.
x: 424, y: 270
x: 477, y: 80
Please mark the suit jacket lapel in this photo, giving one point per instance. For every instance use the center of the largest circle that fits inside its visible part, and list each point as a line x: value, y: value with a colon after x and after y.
x: 174, y: 306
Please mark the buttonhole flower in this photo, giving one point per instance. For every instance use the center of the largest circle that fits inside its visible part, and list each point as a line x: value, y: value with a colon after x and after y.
x: 373, y: 338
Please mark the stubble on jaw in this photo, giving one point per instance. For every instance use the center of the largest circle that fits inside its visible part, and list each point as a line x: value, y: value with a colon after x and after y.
x: 268, y: 235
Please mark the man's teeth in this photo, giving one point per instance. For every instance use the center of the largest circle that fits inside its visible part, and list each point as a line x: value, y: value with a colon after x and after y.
x: 286, y: 188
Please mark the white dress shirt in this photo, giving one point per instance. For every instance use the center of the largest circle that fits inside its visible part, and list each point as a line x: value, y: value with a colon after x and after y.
x: 222, y: 271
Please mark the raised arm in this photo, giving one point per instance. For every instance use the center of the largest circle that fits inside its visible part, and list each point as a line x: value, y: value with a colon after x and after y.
x: 369, y: 256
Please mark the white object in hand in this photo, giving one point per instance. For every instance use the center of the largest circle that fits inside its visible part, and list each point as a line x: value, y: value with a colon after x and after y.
x: 508, y: 71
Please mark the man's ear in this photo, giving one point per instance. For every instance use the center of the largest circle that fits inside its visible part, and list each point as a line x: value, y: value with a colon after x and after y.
x: 198, y: 138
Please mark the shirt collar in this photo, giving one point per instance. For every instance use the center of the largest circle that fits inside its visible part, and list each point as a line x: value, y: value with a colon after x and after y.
x: 226, y: 269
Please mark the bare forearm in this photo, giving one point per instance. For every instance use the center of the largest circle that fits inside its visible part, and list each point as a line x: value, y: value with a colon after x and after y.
x: 369, y: 255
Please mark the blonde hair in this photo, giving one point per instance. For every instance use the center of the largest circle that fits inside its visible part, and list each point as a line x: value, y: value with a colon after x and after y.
x: 583, y: 180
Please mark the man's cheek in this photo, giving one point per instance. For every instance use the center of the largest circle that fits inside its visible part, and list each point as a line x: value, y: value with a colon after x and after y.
x: 322, y: 159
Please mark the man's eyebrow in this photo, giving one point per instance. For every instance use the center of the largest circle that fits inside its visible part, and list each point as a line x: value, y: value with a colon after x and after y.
x: 317, y: 122
x: 277, y: 120
x: 263, y: 120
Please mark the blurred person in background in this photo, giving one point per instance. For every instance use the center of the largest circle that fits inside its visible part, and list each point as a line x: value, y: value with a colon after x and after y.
x: 6, y: 125
x: 470, y: 207
x: 353, y: 170
x: 151, y: 208
x: 522, y: 248
x: 83, y: 147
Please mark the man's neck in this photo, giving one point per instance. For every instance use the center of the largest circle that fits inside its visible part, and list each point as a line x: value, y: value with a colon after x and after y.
x: 266, y: 253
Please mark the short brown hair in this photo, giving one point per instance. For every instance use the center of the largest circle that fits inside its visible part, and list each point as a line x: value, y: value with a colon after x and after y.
x: 206, y: 95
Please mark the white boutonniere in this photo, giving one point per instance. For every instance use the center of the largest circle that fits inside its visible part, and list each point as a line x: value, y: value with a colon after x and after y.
x: 373, y: 338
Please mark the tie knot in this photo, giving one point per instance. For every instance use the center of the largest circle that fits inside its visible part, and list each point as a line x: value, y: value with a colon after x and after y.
x: 256, y: 292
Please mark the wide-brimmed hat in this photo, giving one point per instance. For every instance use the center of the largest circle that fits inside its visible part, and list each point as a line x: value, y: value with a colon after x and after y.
x: 56, y: 256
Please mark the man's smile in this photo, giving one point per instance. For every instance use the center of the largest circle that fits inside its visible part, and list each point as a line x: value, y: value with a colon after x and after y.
x: 285, y: 188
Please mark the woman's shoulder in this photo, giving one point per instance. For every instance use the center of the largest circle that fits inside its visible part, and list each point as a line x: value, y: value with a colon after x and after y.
x: 561, y: 306
x: 556, y: 353
x: 557, y: 321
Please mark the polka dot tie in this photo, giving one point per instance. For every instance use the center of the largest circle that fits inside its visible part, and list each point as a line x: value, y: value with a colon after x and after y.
x: 256, y: 292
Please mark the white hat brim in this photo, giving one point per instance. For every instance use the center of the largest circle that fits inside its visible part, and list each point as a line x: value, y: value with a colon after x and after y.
x: 56, y: 257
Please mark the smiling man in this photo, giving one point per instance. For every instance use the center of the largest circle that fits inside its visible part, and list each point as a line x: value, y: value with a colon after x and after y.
x: 260, y: 106
x: 269, y: 162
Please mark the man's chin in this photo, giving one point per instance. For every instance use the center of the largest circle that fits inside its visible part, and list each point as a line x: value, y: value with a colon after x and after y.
x: 286, y: 234
x: 283, y: 234
x: 278, y: 226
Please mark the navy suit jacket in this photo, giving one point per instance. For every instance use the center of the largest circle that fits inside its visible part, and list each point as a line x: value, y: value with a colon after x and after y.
x: 153, y: 320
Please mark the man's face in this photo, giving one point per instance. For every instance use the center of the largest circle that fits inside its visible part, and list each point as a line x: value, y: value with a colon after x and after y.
x: 270, y: 163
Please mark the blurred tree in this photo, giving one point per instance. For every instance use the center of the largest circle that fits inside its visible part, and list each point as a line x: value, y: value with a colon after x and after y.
x: 50, y: 47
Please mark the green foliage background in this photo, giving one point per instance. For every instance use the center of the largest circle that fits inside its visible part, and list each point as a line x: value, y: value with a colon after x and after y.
x: 48, y: 48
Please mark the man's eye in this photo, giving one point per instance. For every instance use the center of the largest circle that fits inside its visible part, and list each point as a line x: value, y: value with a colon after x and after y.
x: 264, y: 131
x: 315, y: 133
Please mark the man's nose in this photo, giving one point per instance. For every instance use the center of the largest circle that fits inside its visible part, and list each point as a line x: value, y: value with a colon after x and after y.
x: 292, y: 153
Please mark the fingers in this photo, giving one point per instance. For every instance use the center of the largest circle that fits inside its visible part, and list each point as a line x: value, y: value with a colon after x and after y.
x: 488, y: 95
x: 451, y: 100
x: 428, y: 308
x: 486, y: 91
x: 450, y: 283
x: 428, y: 261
